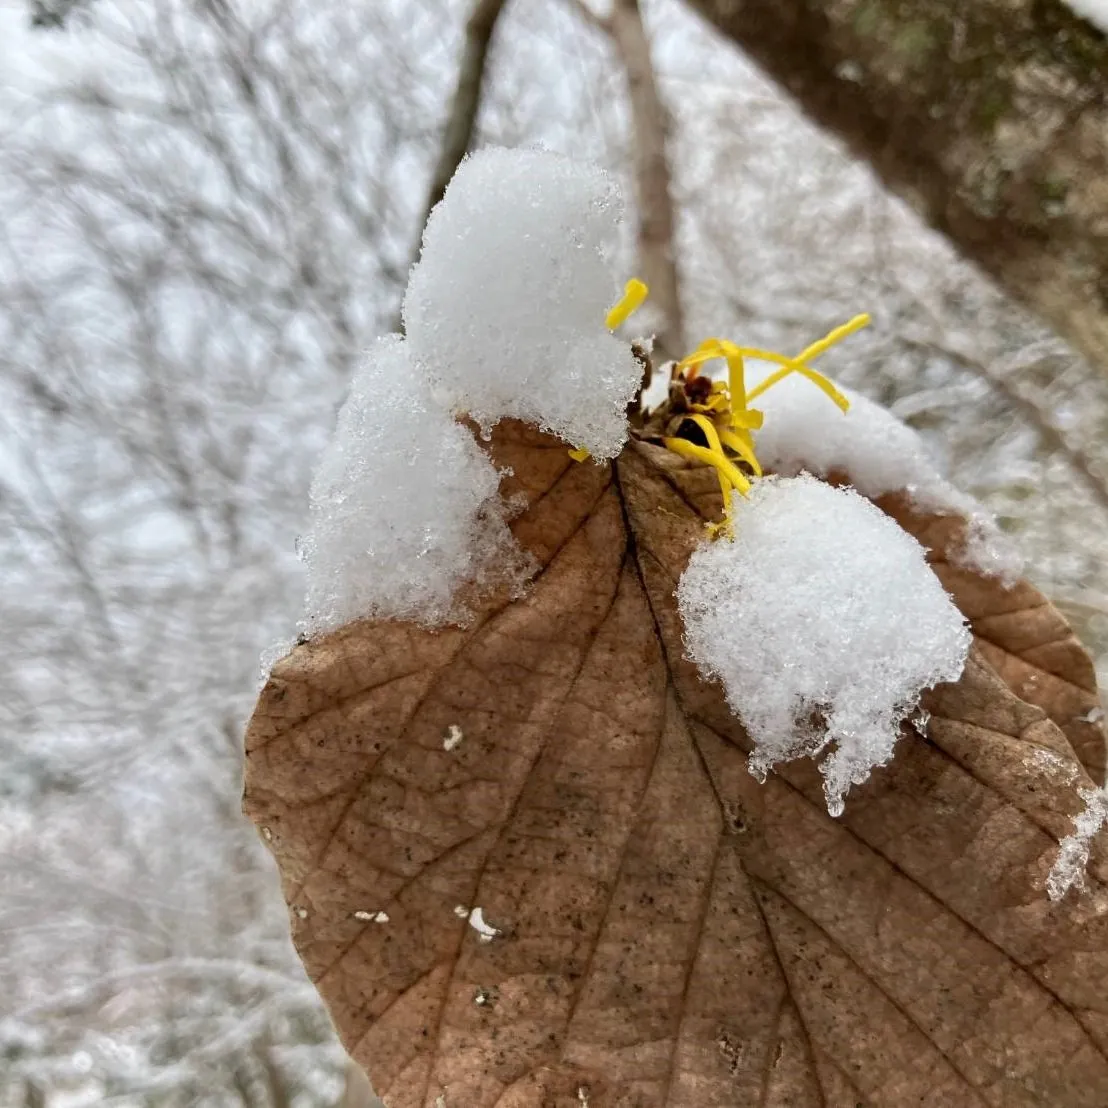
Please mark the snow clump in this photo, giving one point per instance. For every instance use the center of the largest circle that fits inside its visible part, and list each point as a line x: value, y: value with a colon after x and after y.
x: 878, y: 454
x: 505, y: 317
x: 824, y: 623
x: 505, y: 308
x: 404, y: 505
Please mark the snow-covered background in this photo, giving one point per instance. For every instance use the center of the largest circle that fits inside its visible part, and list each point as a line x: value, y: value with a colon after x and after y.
x: 206, y: 211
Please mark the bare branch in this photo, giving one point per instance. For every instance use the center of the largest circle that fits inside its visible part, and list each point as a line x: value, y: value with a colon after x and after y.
x: 657, y: 221
x: 594, y: 20
x: 458, y: 132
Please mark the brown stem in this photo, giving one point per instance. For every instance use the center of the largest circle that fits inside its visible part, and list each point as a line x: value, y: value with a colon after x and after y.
x: 458, y: 132
x: 657, y: 263
x: 460, y: 124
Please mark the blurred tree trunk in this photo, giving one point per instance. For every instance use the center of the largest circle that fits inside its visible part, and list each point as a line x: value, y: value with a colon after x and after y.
x: 990, y: 118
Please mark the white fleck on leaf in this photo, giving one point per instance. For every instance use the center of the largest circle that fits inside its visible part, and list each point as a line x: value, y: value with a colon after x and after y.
x: 372, y: 917
x: 486, y: 932
x: 453, y: 738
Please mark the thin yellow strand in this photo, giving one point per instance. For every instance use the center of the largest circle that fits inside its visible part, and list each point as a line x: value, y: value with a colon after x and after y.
x: 792, y: 365
x: 691, y: 363
x: 722, y: 465
x: 797, y: 364
x: 709, y: 429
x: 634, y: 293
x: 742, y: 448
x: 821, y: 346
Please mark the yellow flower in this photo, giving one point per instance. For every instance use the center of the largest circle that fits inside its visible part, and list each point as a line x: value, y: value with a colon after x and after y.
x: 721, y: 409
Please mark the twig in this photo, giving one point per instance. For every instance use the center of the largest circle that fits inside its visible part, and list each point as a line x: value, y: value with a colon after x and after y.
x: 458, y: 133
x: 657, y: 221
x: 596, y: 21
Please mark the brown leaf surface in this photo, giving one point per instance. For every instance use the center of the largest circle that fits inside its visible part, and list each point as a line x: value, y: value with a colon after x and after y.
x: 672, y: 933
x: 1021, y: 634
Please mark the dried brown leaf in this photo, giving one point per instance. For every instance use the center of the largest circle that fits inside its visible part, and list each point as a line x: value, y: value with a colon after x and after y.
x: 671, y: 933
x: 1021, y: 634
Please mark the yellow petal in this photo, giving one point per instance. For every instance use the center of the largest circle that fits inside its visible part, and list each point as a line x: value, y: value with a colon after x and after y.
x: 721, y: 464
x: 634, y: 293
x: 742, y: 448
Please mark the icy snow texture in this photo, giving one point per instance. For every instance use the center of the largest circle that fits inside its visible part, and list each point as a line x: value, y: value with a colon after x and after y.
x: 879, y: 454
x: 404, y: 505
x: 505, y: 308
x: 824, y: 623
x: 1095, y: 11
x: 1073, y: 851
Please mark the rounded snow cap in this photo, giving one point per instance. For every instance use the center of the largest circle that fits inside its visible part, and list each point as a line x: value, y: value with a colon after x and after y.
x: 505, y: 308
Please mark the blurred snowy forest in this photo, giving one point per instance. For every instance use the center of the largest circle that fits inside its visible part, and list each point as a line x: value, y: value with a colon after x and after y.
x: 208, y: 208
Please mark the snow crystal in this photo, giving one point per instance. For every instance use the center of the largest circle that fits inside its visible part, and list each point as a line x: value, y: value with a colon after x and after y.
x: 1050, y: 763
x: 824, y: 623
x: 404, y: 505
x: 1073, y: 851
x: 270, y: 656
x: 878, y: 454
x: 506, y: 305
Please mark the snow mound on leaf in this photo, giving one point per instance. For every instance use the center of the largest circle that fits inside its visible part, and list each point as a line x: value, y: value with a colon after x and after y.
x: 878, y: 454
x: 824, y: 623
x: 404, y: 506
x: 505, y: 308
